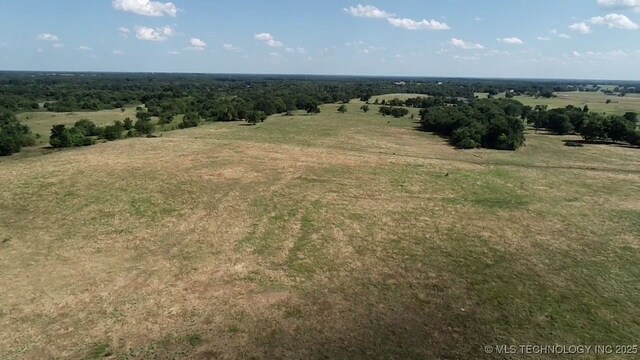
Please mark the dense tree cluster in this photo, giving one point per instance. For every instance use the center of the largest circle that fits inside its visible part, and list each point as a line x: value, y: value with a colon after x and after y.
x: 493, y: 124
x: 591, y: 126
x: 396, y: 112
x: 13, y: 135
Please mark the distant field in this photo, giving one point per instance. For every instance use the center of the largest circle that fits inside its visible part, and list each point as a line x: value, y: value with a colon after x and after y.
x: 41, y: 122
x: 398, y: 96
x: 595, y: 100
x: 328, y: 236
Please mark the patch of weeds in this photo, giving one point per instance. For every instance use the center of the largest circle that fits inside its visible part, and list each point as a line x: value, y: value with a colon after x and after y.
x: 293, y: 312
x: 194, y: 340
x: 100, y: 351
x: 148, y: 208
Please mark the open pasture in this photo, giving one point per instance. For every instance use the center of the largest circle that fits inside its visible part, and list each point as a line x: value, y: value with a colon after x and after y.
x: 326, y: 236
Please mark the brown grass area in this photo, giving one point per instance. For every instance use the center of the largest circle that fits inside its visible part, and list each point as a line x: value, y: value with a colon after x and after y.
x: 381, y: 243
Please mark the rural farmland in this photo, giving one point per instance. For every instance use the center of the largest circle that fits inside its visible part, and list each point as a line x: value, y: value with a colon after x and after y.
x: 254, y: 179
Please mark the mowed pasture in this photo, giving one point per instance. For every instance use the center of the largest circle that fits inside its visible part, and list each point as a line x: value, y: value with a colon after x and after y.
x: 326, y: 236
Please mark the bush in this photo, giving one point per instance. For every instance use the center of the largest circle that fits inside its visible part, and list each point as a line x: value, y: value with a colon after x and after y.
x: 87, y: 127
x: 144, y: 126
x: 342, y: 109
x: 365, y: 108
x: 633, y: 137
x: 189, y: 120
x: 13, y: 135
x: 254, y: 117
x: 398, y: 112
x: 113, y: 132
x: 128, y: 124
x: 61, y: 137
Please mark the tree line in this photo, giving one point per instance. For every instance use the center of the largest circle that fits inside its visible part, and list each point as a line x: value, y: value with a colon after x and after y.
x: 590, y: 125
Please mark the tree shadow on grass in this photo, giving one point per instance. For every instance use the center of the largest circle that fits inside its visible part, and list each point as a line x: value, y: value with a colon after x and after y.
x: 581, y: 143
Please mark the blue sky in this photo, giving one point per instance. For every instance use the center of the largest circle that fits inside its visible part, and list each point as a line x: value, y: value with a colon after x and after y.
x: 596, y: 39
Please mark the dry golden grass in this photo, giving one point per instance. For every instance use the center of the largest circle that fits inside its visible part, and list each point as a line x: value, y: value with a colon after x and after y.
x: 315, y: 237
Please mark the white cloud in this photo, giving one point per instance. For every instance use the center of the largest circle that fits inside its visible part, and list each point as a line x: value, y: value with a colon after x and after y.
x: 84, y: 48
x: 231, y: 47
x: 478, y: 18
x: 173, y: 52
x: 466, y: 58
x: 371, y: 49
x: 353, y: 43
x: 58, y: 45
x: 268, y: 39
x: 124, y: 32
x: 197, y: 44
x: 298, y: 50
x: 560, y: 35
x: 410, y: 24
x: 367, y: 11
x: 465, y: 45
x: 617, y: 21
x: 621, y: 4
x: 146, y: 7
x: 581, y: 28
x: 543, y: 38
x: 599, y: 55
x: 275, y: 54
x: 118, y: 52
x: 47, y: 37
x: 511, y: 41
x: 39, y: 50
x: 158, y: 34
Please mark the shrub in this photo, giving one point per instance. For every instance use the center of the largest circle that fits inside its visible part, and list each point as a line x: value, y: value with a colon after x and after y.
x: 399, y: 112
x: 143, y: 126
x: 342, y: 109
x: 633, y: 137
x: 113, y: 132
x: 128, y: 124
x: 61, y: 137
x: 13, y: 135
x: 189, y: 120
x: 254, y: 117
x: 87, y: 127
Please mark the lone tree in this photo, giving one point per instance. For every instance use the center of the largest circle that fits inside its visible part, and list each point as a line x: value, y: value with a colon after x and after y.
x: 365, y: 108
x: 342, y: 109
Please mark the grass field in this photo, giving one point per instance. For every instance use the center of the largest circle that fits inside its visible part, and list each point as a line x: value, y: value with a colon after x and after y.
x: 388, y: 97
x: 41, y: 122
x: 327, y: 236
x: 597, y: 101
